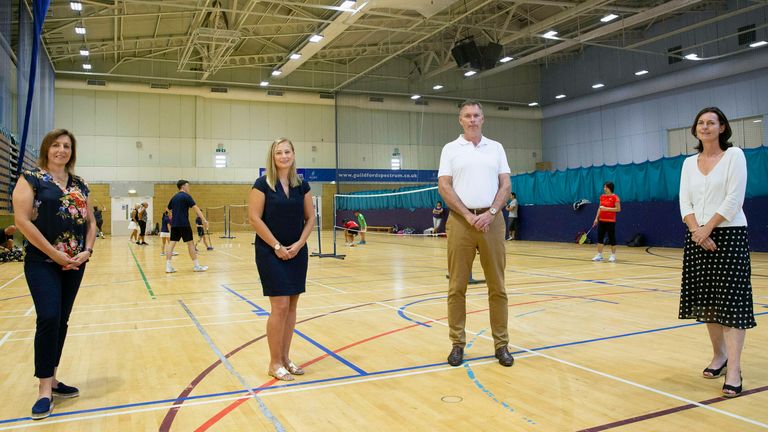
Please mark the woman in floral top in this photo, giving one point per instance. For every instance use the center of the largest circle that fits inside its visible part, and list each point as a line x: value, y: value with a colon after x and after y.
x: 51, y: 209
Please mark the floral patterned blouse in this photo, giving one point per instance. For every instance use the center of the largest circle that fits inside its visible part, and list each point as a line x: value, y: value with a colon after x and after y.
x: 61, y: 214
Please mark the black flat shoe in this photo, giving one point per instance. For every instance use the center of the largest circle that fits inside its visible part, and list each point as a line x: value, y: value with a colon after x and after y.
x: 456, y: 356
x: 735, y: 389
x: 715, y: 373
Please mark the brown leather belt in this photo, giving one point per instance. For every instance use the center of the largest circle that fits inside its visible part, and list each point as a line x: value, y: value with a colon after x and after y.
x: 478, y: 211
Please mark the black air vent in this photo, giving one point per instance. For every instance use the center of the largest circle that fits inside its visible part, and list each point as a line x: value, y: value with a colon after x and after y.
x: 327, y: 96
x: 96, y: 82
x: 274, y: 93
x: 376, y: 99
x: 674, y: 51
x: 503, y: 108
x: 421, y: 102
x: 219, y: 90
x: 159, y: 85
x: 747, y: 35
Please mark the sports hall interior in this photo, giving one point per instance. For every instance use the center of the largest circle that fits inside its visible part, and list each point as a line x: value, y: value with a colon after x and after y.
x: 578, y: 93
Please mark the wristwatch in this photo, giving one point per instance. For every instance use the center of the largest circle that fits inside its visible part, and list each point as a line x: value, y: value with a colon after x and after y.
x: 493, y: 211
x: 278, y: 246
x: 89, y: 250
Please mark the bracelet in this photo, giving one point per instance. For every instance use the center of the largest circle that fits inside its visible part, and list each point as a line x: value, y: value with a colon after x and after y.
x: 89, y: 250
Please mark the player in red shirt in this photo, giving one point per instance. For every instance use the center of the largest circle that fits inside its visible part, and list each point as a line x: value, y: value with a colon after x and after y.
x: 351, y: 228
x: 605, y: 219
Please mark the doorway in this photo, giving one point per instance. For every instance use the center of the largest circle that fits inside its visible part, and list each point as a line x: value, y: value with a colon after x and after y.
x: 121, y: 213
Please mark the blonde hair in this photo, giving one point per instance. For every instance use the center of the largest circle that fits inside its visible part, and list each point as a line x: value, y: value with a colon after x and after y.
x: 293, y: 176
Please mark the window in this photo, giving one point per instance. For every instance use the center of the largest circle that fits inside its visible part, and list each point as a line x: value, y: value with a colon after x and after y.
x: 747, y: 133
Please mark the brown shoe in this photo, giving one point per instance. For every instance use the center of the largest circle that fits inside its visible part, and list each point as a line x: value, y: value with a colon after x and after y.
x: 456, y: 356
x: 505, y: 358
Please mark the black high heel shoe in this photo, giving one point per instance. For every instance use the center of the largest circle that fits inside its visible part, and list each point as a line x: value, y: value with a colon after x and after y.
x: 735, y: 389
x: 716, y: 373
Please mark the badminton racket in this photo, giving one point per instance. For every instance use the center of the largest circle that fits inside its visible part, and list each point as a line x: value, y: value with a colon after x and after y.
x: 583, y: 237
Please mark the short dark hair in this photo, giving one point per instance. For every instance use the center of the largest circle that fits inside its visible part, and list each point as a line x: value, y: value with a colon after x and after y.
x: 513, y: 194
x: 181, y: 183
x: 609, y: 185
x: 723, y: 137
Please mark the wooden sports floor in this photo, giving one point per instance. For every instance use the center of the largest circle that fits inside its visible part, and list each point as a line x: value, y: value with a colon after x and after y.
x: 598, y: 346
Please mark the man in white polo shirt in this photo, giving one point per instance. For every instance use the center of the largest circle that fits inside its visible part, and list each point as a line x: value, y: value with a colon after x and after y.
x: 474, y: 181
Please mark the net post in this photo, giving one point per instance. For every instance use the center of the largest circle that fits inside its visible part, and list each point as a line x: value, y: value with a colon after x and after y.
x: 320, y: 253
x: 227, y: 222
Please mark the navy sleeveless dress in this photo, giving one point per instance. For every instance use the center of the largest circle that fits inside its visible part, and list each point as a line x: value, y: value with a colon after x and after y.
x: 284, y: 216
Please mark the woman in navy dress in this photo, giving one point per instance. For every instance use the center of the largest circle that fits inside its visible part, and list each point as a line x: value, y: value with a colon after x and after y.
x: 51, y: 209
x: 280, y: 209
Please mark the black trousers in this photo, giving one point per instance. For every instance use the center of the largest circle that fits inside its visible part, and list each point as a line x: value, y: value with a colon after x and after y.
x: 53, y: 292
x: 142, y: 227
x: 604, y: 228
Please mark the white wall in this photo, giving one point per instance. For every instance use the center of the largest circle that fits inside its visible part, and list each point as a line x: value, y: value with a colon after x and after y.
x: 637, y: 130
x: 128, y: 132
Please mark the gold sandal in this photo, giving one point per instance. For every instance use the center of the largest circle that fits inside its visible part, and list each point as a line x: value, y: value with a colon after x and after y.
x: 294, y: 369
x: 280, y: 374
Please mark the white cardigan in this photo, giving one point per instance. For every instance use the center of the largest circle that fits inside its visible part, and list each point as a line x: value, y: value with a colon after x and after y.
x: 721, y: 191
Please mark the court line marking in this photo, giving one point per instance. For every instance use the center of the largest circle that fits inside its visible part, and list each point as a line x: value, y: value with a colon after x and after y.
x: 326, y: 286
x: 619, y: 379
x: 5, y: 338
x: 29, y: 311
x: 11, y: 281
x: 141, y: 271
x: 232, y: 255
x: 262, y: 406
x: 303, y: 386
x: 258, y: 310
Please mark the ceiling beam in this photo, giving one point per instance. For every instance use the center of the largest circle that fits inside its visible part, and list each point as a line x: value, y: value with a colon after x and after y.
x: 633, y: 20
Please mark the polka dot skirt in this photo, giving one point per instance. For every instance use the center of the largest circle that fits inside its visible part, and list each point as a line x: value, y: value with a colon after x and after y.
x: 716, y: 286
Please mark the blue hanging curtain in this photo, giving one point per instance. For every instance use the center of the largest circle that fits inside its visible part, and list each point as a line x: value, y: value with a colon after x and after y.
x: 39, y: 11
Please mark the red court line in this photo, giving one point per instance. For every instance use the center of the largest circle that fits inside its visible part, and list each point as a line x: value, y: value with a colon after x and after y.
x: 668, y: 411
x: 221, y: 414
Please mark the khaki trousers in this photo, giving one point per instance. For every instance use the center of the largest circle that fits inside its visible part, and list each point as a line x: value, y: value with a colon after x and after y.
x: 464, y: 241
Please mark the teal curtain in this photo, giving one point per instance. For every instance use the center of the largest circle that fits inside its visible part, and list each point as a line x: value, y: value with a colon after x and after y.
x: 657, y: 180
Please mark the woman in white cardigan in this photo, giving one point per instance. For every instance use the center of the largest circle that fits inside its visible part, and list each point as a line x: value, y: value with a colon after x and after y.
x: 716, y: 287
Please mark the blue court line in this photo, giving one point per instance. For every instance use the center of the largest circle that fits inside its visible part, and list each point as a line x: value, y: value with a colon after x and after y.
x: 340, y: 378
x: 259, y: 311
x: 529, y: 313
x: 401, y: 310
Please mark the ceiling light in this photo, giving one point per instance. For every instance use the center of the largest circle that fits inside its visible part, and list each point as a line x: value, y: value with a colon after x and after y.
x: 506, y: 59
x: 316, y: 38
x: 80, y: 29
x: 758, y: 44
x: 550, y: 34
x: 469, y: 73
x: 348, y: 5
x: 414, y: 97
x: 276, y: 72
x: 641, y: 72
x: 131, y: 191
x: 533, y: 104
x: 609, y: 18
x: 87, y: 66
x: 757, y: 121
x: 437, y: 87
x: 264, y: 83
x: 560, y: 96
x: 294, y: 56
x: 76, y: 6
x: 84, y: 52
x: 692, y: 57
x: 598, y: 85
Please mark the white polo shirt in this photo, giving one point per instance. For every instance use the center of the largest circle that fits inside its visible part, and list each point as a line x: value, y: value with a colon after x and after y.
x: 475, y: 169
